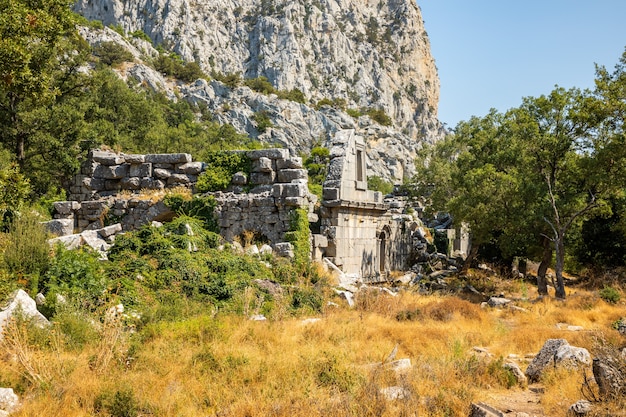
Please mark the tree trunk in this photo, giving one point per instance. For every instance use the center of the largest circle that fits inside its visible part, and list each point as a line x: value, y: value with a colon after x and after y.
x: 542, y: 282
x: 559, y: 245
x: 470, y: 258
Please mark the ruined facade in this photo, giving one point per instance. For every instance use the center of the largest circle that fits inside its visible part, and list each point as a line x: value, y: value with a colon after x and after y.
x: 364, y: 234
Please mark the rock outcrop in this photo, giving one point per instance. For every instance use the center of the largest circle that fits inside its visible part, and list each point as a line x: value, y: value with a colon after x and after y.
x: 358, y: 52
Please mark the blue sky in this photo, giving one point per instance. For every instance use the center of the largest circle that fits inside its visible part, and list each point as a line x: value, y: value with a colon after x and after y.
x: 491, y: 53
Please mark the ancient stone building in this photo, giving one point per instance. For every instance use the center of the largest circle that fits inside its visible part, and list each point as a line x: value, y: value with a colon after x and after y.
x: 362, y: 233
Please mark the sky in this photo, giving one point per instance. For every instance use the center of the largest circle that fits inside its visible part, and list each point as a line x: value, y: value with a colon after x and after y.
x: 492, y: 53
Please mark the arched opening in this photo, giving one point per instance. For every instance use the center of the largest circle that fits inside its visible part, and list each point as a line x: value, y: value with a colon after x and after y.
x: 382, y: 257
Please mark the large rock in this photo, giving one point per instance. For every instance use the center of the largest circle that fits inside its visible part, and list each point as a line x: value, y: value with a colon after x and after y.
x: 9, y: 401
x: 556, y: 352
x: 20, y: 303
x: 610, y: 377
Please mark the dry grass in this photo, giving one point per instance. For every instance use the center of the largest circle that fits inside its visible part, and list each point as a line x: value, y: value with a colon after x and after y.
x: 228, y: 366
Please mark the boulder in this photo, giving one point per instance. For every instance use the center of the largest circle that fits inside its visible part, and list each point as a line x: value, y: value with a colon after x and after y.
x: 517, y: 373
x: 21, y: 303
x: 498, y: 301
x: 571, y: 356
x: 60, y: 227
x: 579, y: 408
x: 9, y: 401
x: 609, y: 376
x: 556, y: 352
x: 395, y: 393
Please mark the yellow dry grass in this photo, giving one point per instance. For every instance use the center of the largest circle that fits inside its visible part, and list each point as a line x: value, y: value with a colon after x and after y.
x: 229, y: 366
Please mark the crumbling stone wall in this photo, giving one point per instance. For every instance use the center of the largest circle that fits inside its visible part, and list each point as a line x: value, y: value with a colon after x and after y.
x: 106, y: 173
x: 261, y: 202
x: 278, y: 184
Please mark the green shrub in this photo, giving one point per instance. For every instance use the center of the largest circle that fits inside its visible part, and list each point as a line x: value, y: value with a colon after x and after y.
x: 76, y: 327
x: 232, y: 80
x: 190, y: 72
x: 307, y: 298
x: 376, y: 183
x: 260, y: 85
x: 356, y: 113
x: 27, y: 252
x: 379, y: 116
x: 112, y: 53
x: 295, y: 95
x: 201, y: 207
x: 79, y: 275
x: 119, y: 29
x: 610, y: 295
x: 262, y: 120
x: 140, y: 34
x: 14, y: 190
x: 121, y: 404
x: 220, y: 170
x: 317, y: 164
x: 299, y: 235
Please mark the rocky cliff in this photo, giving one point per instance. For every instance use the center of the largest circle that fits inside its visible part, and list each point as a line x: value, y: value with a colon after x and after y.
x: 373, y: 54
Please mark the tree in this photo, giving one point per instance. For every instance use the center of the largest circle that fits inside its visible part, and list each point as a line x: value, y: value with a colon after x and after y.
x: 40, y: 53
x: 563, y: 145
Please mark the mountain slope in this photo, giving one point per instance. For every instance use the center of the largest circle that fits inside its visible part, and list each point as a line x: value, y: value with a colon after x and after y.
x: 372, y: 54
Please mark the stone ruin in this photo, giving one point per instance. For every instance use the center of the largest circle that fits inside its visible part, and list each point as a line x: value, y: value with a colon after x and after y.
x: 360, y: 232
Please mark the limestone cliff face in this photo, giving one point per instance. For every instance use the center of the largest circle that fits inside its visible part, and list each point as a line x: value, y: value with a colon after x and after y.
x: 369, y: 53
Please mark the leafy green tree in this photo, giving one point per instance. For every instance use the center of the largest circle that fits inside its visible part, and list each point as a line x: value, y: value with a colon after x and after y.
x: 562, y: 141
x: 40, y: 80
x: 36, y: 65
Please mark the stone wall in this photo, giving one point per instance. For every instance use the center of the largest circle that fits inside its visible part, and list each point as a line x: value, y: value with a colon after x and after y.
x: 278, y: 184
x: 261, y: 202
x: 106, y: 173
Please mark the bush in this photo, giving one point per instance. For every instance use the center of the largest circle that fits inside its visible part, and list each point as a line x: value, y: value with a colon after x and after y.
x: 79, y: 275
x: 295, y: 95
x: 379, y: 116
x: 14, y: 190
x: 610, y: 295
x: 27, y: 251
x: 199, y: 207
x: 121, y: 404
x: 354, y: 113
x: 376, y: 183
x: 299, y: 235
x: 112, y: 53
x: 232, y: 80
x: 219, y: 172
x: 260, y: 85
x: 262, y: 120
x: 140, y: 34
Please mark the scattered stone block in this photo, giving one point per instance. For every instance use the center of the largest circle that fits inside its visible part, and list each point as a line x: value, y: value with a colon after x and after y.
x: 484, y: 410
x: 135, y: 159
x: 395, y: 393
x: 190, y: 168
x: 107, y: 158
x: 20, y: 303
x: 114, y: 172
x: 60, y: 227
x: 288, y: 175
x: 9, y: 401
x: 580, y: 408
